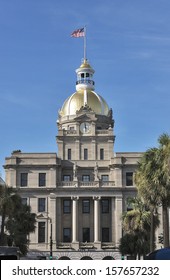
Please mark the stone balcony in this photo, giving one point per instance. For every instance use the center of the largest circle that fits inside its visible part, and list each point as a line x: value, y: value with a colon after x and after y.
x: 85, y: 245
x: 81, y: 184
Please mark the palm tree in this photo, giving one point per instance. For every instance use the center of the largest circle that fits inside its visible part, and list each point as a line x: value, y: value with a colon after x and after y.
x: 152, y: 179
x: 164, y: 181
x: 136, y: 222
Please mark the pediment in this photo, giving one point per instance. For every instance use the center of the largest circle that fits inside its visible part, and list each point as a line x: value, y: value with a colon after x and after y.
x: 85, y: 117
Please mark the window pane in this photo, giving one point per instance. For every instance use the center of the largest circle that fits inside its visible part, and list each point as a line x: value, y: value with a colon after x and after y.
x: 85, y: 154
x: 105, y: 205
x: 85, y: 178
x: 41, y: 232
x: 129, y: 178
x: 69, y: 154
x: 66, y: 206
x: 66, y: 178
x: 41, y: 204
x: 86, y: 234
x: 105, y: 178
x: 42, y: 179
x: 101, y: 153
x: 66, y: 235
x: 105, y: 235
x: 86, y: 206
x: 24, y: 179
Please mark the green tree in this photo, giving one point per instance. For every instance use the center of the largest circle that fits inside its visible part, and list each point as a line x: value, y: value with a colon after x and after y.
x: 136, y: 223
x: 17, y: 220
x: 6, y: 207
x: 152, y: 179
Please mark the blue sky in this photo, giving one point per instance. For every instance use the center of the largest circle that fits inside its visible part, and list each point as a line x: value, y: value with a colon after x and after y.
x: 128, y: 45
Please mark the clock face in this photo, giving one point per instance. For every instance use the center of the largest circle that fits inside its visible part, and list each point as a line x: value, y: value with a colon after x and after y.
x: 85, y: 127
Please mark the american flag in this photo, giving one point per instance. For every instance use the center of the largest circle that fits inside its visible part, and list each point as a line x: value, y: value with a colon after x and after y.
x: 78, y: 33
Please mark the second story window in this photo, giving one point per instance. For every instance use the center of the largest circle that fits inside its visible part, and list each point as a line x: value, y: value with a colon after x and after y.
x: 66, y: 178
x: 66, y: 234
x: 86, y: 206
x: 129, y: 178
x: 105, y: 235
x: 42, y: 179
x: 101, y: 154
x: 24, y: 179
x: 86, y: 234
x: 41, y: 232
x: 105, y: 205
x: 41, y: 204
x: 85, y: 154
x: 105, y: 178
x: 85, y: 178
x: 69, y: 154
x: 66, y: 206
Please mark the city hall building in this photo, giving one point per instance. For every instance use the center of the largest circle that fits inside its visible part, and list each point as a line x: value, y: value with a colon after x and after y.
x: 79, y: 193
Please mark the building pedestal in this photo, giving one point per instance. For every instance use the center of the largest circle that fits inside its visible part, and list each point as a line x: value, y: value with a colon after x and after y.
x: 75, y: 245
x: 97, y: 245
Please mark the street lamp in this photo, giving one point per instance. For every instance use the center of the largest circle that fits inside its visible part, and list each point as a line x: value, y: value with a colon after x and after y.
x: 51, y: 241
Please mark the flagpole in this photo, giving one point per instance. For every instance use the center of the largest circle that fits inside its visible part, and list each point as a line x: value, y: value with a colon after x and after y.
x: 85, y: 43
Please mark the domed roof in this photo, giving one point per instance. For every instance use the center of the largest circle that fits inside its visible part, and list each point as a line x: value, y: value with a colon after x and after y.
x: 76, y: 101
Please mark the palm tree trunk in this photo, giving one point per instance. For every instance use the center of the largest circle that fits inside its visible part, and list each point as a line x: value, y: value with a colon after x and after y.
x: 165, y: 215
x: 152, y: 232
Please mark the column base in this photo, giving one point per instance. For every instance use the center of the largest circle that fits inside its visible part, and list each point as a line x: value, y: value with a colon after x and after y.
x: 97, y: 244
x: 75, y: 245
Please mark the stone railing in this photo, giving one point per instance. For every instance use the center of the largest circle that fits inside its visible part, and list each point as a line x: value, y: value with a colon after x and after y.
x: 63, y: 245
x: 88, y: 184
x: 107, y: 183
x: 86, y: 245
x: 108, y: 245
x: 81, y: 184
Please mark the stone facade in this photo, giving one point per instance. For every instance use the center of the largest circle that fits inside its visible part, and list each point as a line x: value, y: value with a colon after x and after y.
x: 80, y: 193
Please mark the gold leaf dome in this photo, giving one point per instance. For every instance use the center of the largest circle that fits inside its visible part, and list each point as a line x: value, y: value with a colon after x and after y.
x: 76, y: 101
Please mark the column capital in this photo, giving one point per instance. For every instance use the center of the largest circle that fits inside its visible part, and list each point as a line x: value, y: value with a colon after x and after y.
x: 74, y: 197
x: 96, y: 197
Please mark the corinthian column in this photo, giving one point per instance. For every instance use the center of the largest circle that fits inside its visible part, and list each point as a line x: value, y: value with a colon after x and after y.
x: 96, y: 221
x: 74, y: 221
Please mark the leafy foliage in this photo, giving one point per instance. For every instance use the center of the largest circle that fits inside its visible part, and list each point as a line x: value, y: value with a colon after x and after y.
x: 152, y: 179
x: 17, y: 219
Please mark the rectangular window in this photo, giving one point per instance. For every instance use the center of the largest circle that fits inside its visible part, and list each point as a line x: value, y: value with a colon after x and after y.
x: 41, y: 232
x: 86, y: 178
x: 105, y: 178
x: 69, y: 154
x: 66, y: 234
x: 42, y: 179
x: 24, y: 179
x: 85, y: 154
x: 86, y: 234
x: 24, y: 200
x: 66, y: 178
x: 105, y: 205
x: 129, y: 178
x: 66, y: 206
x: 105, y: 235
x: 86, y: 206
x: 41, y: 204
x: 101, y: 153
